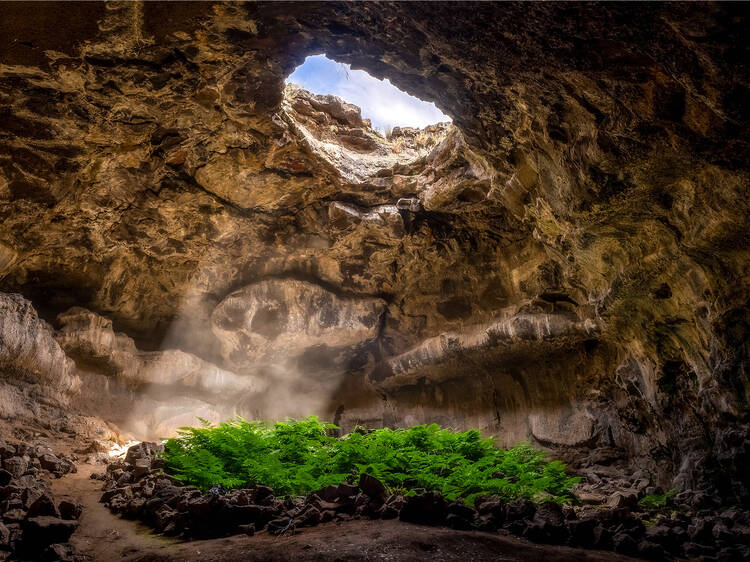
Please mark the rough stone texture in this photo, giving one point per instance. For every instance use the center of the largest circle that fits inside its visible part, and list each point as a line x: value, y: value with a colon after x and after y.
x: 149, y: 393
x: 276, y: 318
x: 596, y: 173
x: 29, y: 353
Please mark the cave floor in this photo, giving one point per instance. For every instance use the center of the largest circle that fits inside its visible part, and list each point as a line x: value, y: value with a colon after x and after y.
x: 104, y: 536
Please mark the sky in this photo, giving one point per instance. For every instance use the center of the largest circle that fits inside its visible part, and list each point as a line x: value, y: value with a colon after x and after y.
x: 381, y: 101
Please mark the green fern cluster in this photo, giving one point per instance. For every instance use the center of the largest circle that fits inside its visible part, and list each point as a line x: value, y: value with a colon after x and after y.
x: 300, y: 456
x: 657, y: 501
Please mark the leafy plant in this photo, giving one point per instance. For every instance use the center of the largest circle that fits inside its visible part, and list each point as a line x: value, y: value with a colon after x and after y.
x: 301, y: 456
x: 657, y: 501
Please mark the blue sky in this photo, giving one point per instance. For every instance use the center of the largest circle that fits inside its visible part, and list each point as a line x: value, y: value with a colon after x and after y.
x: 380, y: 100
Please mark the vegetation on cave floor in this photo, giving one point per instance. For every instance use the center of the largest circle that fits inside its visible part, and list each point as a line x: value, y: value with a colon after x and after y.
x: 657, y: 502
x: 297, y: 457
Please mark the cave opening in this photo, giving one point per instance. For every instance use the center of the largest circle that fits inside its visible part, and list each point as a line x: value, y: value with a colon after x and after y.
x: 382, y: 103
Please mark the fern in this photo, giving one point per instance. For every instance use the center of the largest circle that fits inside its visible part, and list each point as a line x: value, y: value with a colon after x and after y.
x: 300, y: 456
x: 657, y: 501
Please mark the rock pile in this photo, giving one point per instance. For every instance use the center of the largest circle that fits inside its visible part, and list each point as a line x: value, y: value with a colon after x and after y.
x: 138, y: 488
x: 33, y: 526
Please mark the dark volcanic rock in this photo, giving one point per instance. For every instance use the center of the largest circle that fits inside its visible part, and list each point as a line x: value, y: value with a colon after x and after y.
x: 373, y: 487
x: 44, y: 505
x: 70, y: 510
x: 38, y: 532
x: 427, y: 508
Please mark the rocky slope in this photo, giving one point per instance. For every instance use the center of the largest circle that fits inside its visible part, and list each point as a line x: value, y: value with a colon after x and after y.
x: 566, y: 263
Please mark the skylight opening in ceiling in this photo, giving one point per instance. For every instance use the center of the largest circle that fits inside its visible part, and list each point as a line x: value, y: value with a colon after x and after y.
x: 381, y: 102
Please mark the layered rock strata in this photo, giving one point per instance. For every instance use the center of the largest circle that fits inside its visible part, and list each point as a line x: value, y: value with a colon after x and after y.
x: 152, y: 164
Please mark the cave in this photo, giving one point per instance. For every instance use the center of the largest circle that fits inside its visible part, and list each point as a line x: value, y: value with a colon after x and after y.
x: 561, y: 263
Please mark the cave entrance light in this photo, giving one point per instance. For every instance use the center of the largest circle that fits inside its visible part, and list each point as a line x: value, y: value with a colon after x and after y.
x: 381, y: 102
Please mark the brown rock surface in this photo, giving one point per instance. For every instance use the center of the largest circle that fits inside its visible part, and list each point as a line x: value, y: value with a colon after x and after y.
x: 592, y: 189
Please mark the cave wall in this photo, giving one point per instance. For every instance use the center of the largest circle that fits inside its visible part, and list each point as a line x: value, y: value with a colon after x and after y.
x: 568, y: 263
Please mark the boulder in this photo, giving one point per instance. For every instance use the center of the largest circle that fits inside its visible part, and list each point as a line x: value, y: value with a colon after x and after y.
x: 329, y: 493
x: 45, y: 530
x: 520, y: 508
x: 280, y: 526
x: 143, y: 450
x: 110, y: 494
x: 43, y: 505
x: 7, y: 450
x: 141, y: 468
x: 70, y: 510
x: 549, y: 513
x: 4, y: 535
x: 427, y: 508
x: 58, y: 467
x: 16, y: 466
x: 308, y: 518
x: 581, y: 532
x: 14, y: 515
x: 625, y: 544
x: 622, y: 499
x: 261, y: 494
x: 373, y: 487
x: 346, y: 490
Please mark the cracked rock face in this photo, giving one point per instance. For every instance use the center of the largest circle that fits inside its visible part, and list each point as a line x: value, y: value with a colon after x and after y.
x: 566, y: 262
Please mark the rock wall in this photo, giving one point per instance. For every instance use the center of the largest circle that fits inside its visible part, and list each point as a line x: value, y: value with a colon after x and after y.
x: 30, y: 355
x: 567, y: 262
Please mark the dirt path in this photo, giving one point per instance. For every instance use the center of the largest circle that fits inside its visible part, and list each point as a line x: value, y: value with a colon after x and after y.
x: 103, y: 537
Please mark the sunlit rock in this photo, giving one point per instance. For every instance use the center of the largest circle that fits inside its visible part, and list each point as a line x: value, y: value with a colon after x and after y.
x: 284, y: 318
x: 29, y: 352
